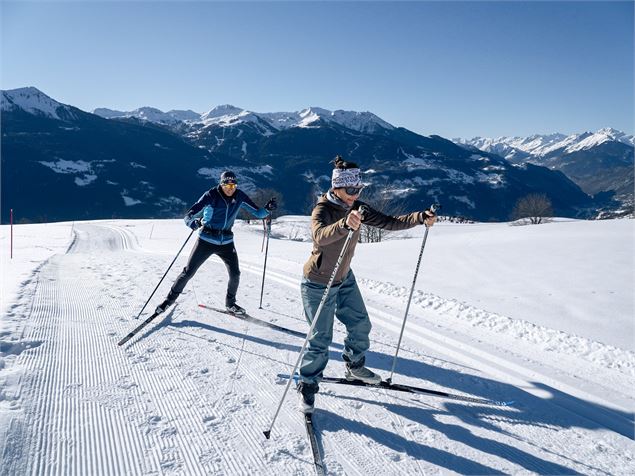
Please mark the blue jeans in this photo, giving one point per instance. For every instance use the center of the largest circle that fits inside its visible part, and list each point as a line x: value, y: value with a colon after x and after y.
x: 345, y: 302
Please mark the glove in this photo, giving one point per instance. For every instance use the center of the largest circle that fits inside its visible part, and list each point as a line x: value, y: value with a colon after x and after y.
x: 429, y: 217
x: 195, y: 224
x: 271, y: 205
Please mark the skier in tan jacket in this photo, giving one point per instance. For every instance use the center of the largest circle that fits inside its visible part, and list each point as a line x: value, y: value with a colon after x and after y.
x: 336, y: 213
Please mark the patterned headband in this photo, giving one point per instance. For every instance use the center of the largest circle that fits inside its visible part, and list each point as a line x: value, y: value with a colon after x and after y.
x: 346, y: 178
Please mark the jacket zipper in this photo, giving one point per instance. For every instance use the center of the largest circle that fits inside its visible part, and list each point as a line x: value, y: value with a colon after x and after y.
x: 226, y: 213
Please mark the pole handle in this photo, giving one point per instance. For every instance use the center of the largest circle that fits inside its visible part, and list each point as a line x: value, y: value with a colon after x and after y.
x: 264, y: 268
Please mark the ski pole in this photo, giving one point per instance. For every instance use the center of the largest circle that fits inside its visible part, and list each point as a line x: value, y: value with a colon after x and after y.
x: 164, y: 274
x: 267, y: 433
x: 264, y: 233
x: 136, y: 330
x: 433, y: 209
x: 264, y: 268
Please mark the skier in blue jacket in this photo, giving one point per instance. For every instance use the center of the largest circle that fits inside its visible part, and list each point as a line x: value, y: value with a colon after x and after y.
x: 214, y: 213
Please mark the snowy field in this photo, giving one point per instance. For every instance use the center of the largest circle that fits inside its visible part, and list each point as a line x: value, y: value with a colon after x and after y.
x: 541, y: 315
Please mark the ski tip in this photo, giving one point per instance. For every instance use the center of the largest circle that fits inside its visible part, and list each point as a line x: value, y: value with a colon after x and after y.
x: 267, y: 434
x: 501, y: 403
x: 202, y: 305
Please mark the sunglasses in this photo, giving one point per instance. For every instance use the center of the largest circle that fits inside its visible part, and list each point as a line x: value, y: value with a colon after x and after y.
x: 353, y: 190
x: 229, y: 185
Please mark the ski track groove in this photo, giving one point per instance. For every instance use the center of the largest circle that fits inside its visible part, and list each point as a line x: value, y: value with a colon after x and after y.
x: 264, y: 417
x: 58, y: 415
x: 163, y: 405
x: 39, y: 385
x: 164, y: 360
x: 255, y: 436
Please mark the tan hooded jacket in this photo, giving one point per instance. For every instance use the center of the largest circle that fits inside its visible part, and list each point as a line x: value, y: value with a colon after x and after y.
x: 329, y: 235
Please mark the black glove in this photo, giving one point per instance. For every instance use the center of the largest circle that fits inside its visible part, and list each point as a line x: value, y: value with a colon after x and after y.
x: 196, y: 224
x: 429, y: 213
x: 271, y: 205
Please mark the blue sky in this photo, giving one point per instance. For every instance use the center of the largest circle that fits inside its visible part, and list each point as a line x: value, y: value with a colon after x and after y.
x: 457, y: 69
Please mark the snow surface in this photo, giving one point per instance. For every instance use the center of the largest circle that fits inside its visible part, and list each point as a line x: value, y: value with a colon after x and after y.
x: 541, y: 315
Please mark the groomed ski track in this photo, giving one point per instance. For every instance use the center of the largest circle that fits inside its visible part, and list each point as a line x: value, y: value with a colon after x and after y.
x: 192, y: 393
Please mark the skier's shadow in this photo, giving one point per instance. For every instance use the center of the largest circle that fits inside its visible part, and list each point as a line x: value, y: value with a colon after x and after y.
x: 483, y: 387
x: 470, y: 414
x: 237, y: 335
x: 591, y: 415
x: 428, y: 418
x: 279, y: 330
x: 327, y: 421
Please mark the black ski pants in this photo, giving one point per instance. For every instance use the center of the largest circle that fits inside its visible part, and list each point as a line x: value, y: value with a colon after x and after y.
x: 201, y: 251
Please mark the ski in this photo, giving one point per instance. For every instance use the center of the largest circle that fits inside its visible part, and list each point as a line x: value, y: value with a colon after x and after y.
x: 415, y: 390
x: 138, y: 328
x: 318, y: 462
x: 255, y: 320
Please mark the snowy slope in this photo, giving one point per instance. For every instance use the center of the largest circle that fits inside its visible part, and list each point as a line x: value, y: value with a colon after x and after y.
x: 498, y: 312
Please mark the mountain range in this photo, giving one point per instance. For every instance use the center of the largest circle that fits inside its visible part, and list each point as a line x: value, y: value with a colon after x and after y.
x: 599, y: 162
x: 62, y: 163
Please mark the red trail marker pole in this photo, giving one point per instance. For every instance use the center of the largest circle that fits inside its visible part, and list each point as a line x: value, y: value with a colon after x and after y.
x: 11, y: 219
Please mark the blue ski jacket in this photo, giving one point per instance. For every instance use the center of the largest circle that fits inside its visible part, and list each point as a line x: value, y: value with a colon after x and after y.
x: 217, y: 212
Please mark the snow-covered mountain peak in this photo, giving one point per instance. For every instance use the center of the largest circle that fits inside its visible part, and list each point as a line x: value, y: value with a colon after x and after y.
x: 31, y: 100
x: 610, y: 132
x: 544, y: 145
x: 185, y: 116
x: 310, y: 115
x: 614, y: 134
x: 220, y: 111
x: 359, y: 121
x: 150, y: 114
x: 590, y: 139
x: 228, y: 115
